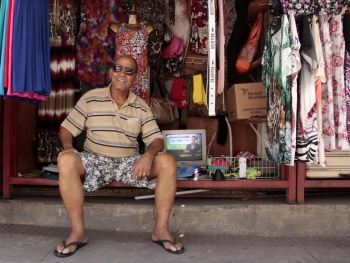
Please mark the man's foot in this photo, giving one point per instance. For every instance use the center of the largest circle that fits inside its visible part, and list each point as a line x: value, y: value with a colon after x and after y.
x: 173, y: 243
x: 64, y: 255
x: 73, y: 242
x: 168, y: 242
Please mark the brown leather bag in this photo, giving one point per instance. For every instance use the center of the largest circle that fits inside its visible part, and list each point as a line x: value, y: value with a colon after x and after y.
x: 248, y: 52
x: 162, y: 108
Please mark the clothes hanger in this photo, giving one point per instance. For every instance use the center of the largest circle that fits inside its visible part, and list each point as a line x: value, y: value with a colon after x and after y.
x: 276, y: 12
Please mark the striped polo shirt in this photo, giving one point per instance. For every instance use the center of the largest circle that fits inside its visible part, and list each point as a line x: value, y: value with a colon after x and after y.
x: 110, y: 131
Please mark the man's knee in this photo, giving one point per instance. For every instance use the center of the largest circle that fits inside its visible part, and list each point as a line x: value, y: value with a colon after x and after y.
x: 165, y: 164
x: 166, y: 161
x: 68, y: 162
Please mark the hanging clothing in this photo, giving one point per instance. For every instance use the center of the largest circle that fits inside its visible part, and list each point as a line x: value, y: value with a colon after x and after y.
x: 298, y: 7
x: 307, y: 138
x: 320, y: 77
x: 51, y: 113
x: 338, y: 51
x: 134, y: 43
x: 152, y: 11
x: 199, y: 30
x: 276, y: 76
x: 333, y: 91
x: 27, y: 96
x: 295, y: 69
x: 180, y: 28
x: 31, y: 66
x: 328, y: 129
x: 95, y: 46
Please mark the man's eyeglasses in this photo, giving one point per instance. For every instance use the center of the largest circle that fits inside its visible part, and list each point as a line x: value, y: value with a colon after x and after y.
x: 127, y: 70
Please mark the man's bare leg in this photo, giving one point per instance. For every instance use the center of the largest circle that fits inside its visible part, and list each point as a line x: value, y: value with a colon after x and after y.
x: 71, y: 189
x: 164, y: 167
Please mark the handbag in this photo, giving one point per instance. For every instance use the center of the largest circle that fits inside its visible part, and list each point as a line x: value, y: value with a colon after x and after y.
x: 173, y: 49
x: 248, y: 51
x: 162, y: 108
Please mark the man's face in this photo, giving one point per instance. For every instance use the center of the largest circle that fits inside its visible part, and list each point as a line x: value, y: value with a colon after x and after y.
x: 193, y: 140
x: 123, y: 73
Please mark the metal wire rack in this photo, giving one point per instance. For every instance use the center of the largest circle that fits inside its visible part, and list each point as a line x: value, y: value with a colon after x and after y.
x: 252, y: 168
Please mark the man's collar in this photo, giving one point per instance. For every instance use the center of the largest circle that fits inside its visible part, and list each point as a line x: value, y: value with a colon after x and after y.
x: 131, y: 99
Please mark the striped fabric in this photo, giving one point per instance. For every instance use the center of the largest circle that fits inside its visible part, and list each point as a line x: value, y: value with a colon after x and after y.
x: 51, y: 113
x: 112, y: 132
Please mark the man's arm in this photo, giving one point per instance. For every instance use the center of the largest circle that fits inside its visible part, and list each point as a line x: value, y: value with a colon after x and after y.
x: 66, y: 138
x: 67, y: 141
x: 156, y: 146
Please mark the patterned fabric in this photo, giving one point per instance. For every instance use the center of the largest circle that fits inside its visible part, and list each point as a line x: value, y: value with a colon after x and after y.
x: 307, y: 136
x: 171, y: 7
x: 328, y: 129
x: 95, y: 45
x: 328, y: 6
x: 298, y: 7
x: 101, y: 171
x: 199, y: 24
x: 320, y: 77
x: 51, y: 113
x: 313, y: 6
x: 63, y: 21
x: 152, y: 11
x: 134, y: 43
x: 276, y: 78
x: 338, y: 50
x: 333, y: 91
x: 296, y: 66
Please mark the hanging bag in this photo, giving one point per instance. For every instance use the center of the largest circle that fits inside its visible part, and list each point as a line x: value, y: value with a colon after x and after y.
x: 162, y: 108
x: 248, y: 51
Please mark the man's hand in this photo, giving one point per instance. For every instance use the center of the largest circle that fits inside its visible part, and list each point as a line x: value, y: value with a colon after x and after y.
x: 68, y: 149
x: 142, y: 167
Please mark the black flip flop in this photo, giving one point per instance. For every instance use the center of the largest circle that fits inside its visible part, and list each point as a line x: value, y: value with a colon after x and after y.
x: 161, y: 243
x: 63, y: 255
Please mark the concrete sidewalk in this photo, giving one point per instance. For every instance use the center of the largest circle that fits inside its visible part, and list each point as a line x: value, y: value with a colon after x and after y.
x: 211, y: 230
x: 24, y: 243
x: 267, y: 217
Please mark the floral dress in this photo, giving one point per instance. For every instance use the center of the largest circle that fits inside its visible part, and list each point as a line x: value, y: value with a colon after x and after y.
x: 333, y: 91
x: 95, y: 42
x: 134, y: 43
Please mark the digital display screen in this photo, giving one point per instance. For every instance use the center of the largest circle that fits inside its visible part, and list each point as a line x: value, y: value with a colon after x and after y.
x: 185, y: 147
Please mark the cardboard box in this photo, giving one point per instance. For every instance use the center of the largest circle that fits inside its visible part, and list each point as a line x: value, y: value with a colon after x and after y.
x: 246, y: 101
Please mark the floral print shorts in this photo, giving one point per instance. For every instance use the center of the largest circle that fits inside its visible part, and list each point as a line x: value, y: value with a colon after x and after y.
x: 101, y: 171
